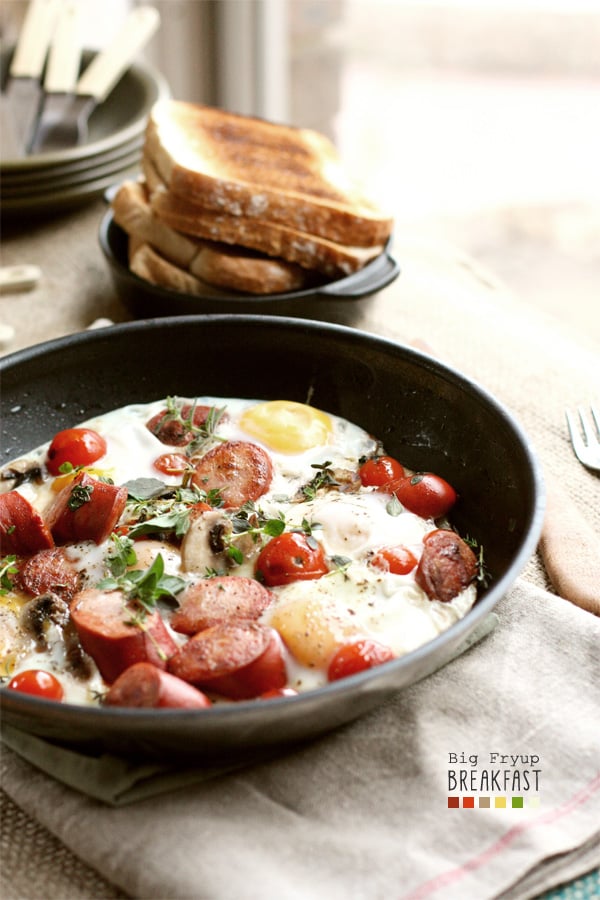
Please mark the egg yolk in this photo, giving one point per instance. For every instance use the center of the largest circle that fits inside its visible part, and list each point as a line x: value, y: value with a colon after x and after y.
x: 286, y: 426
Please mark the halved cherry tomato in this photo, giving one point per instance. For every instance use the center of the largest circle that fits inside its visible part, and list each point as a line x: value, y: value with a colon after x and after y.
x: 172, y: 463
x: 78, y: 446
x: 291, y: 557
x: 278, y: 692
x: 38, y: 683
x: 424, y: 494
x: 379, y: 471
x: 397, y: 560
x: 356, y: 657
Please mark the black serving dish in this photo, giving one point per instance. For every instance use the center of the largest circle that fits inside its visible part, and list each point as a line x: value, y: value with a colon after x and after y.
x: 340, y: 301
x: 428, y: 415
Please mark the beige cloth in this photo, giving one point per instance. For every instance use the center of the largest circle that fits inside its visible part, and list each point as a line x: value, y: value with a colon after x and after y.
x: 362, y: 812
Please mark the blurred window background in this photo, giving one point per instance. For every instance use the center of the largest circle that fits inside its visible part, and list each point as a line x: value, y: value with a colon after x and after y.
x: 477, y: 122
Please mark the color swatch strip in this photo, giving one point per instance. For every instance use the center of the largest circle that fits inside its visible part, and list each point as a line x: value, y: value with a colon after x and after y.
x: 493, y: 802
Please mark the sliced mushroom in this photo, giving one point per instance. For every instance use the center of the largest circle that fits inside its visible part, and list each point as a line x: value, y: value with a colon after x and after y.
x: 47, y: 620
x: 206, y: 545
x: 20, y: 471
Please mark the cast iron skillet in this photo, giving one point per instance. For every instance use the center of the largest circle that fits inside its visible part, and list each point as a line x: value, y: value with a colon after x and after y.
x: 428, y: 415
x: 340, y: 301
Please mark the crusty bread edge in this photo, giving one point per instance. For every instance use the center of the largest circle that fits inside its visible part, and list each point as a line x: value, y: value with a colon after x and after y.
x: 310, y: 252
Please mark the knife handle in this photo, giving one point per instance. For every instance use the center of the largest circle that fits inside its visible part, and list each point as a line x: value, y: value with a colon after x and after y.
x: 34, y: 38
x: 107, y: 67
x: 64, y: 58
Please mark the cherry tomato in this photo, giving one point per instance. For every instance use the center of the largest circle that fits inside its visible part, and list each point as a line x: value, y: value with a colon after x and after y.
x: 397, y: 560
x: 356, y: 657
x: 278, y: 692
x: 38, y: 683
x: 291, y: 557
x: 379, y: 471
x: 424, y: 494
x: 172, y: 463
x: 78, y: 446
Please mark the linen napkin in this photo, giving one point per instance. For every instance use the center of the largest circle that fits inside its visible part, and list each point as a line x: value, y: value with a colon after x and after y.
x: 370, y: 810
x: 119, y: 781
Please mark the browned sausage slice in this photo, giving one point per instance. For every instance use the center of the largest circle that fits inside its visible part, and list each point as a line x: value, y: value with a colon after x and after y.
x: 22, y: 529
x: 143, y: 685
x: 447, y: 565
x: 238, y: 660
x: 87, y: 509
x: 49, y: 570
x: 172, y: 429
x: 224, y: 598
x: 116, y: 636
x: 239, y: 470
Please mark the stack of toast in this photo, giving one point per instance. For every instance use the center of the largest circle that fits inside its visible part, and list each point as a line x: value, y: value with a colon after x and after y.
x: 234, y: 203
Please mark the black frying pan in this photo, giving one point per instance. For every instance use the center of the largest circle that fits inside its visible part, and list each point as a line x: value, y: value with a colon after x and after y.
x: 427, y: 414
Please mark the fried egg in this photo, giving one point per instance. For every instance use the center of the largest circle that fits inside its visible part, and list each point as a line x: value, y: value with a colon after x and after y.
x: 314, y: 618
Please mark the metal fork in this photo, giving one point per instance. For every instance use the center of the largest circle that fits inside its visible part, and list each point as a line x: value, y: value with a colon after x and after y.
x: 585, y: 436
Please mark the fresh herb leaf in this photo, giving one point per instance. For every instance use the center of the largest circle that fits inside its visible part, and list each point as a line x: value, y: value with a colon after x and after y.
x: 177, y: 521
x: 146, y: 488
x: 325, y: 476
x: 393, y: 507
x: 145, y: 586
x: 121, y: 556
x: 341, y: 563
x: 80, y: 494
x: 8, y: 568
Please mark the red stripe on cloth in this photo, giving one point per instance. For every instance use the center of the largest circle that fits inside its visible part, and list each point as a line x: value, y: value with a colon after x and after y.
x: 454, y: 875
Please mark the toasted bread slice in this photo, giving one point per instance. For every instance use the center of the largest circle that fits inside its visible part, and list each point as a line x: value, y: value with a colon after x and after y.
x: 146, y: 263
x: 243, y: 166
x: 311, y: 252
x: 245, y: 271
x: 132, y: 213
x: 233, y: 268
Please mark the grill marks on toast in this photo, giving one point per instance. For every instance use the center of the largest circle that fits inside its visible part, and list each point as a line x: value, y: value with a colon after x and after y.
x: 249, y: 167
x: 243, y: 204
x: 253, y: 152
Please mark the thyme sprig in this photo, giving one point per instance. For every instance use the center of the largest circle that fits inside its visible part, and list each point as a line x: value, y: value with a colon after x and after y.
x: 325, y: 476
x: 201, y: 434
x: 484, y: 576
x: 145, y: 587
x: 156, y: 508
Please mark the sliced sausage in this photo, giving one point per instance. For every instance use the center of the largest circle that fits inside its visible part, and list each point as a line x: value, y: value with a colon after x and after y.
x: 173, y: 430
x: 447, y: 565
x: 239, y: 470
x: 49, y: 571
x: 143, y: 685
x: 87, y: 509
x: 223, y: 598
x: 116, y: 635
x: 22, y: 529
x: 238, y: 660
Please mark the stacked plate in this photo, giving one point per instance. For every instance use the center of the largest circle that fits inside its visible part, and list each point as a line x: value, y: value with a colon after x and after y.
x: 53, y: 181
